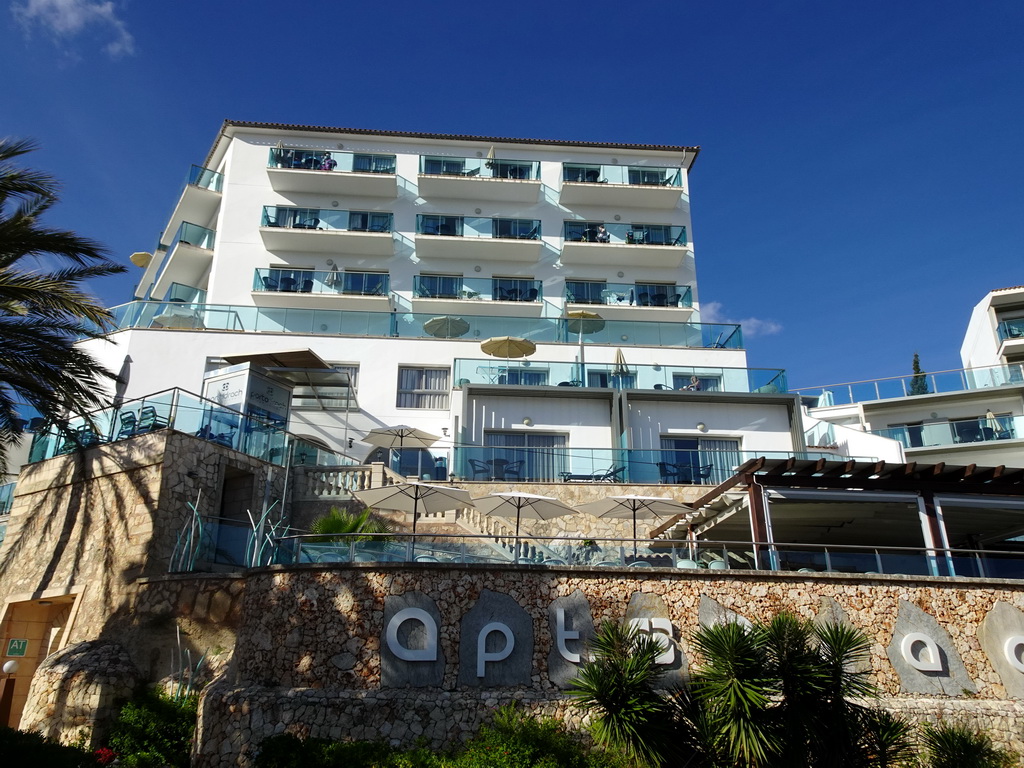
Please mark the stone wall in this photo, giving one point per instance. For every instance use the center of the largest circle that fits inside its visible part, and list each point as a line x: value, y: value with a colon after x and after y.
x: 313, y: 657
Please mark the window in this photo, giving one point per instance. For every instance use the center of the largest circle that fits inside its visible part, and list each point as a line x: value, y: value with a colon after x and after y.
x: 440, y: 225
x: 329, y: 398
x: 647, y: 176
x: 439, y: 286
x: 703, y: 383
x: 532, y: 377
x: 589, y: 173
x: 515, y: 229
x: 584, y: 292
x: 373, y: 163
x: 423, y: 387
x: 582, y: 231
x: 451, y: 166
x: 365, y: 283
x: 289, y: 279
x: 657, y: 295
x: 513, y: 289
x: 365, y: 221
x: 507, y: 169
x: 610, y: 380
x: 534, y: 456
x: 706, y: 461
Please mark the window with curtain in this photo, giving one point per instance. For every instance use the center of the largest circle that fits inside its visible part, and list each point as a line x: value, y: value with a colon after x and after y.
x: 329, y: 398
x: 440, y: 286
x: 430, y: 224
x: 610, y: 380
x: 705, y: 460
x: 525, y: 376
x: 514, y: 228
x: 646, y: 175
x: 452, y: 166
x: 584, y: 292
x: 506, y: 169
x: 423, y: 387
x: 373, y: 163
x: 368, y: 221
x: 543, y: 456
x: 707, y: 383
x: 579, y: 231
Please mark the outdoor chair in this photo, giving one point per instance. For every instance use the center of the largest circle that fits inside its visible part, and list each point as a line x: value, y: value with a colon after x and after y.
x: 670, y: 473
x: 269, y: 284
x: 150, y: 420
x: 611, y: 476
x: 128, y: 424
x: 288, y: 284
x: 513, y: 470
x: 480, y: 468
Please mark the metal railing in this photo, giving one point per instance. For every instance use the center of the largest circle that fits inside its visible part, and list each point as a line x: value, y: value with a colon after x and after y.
x: 955, y: 432
x: 936, y: 382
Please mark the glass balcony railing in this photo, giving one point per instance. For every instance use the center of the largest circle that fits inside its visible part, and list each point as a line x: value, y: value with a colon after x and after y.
x: 185, y: 293
x: 979, y: 430
x: 475, y: 226
x: 331, y: 282
x: 606, y: 465
x: 624, y: 234
x: 484, y: 168
x: 541, y: 373
x: 336, y: 322
x: 622, y: 174
x: 938, y: 382
x: 326, y: 219
x: 178, y: 410
x: 628, y: 294
x: 477, y: 288
x: 326, y: 160
x: 1011, y: 329
x: 205, y: 178
x: 193, y: 234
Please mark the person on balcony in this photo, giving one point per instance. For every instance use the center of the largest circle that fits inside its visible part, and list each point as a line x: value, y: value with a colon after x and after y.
x: 694, y: 385
x: 603, y: 235
x: 328, y: 163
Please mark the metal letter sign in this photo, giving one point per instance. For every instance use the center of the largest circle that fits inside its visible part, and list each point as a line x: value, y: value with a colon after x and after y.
x: 16, y: 647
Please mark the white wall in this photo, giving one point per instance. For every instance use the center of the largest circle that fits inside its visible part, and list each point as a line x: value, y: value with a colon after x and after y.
x: 759, y: 427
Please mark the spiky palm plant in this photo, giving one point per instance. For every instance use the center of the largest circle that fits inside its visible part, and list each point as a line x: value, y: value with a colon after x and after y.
x: 341, y: 525
x: 949, y: 745
x: 44, y: 309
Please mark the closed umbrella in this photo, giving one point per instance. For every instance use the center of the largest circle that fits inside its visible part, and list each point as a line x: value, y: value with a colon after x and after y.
x: 417, y: 498
x: 333, y: 279
x: 446, y: 327
x: 620, y: 368
x: 643, y: 507
x: 579, y: 322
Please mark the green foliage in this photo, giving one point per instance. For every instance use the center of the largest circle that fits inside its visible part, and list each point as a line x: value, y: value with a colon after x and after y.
x: 43, y: 312
x: 31, y: 749
x: 919, y: 381
x: 154, y: 730
x: 289, y: 751
x: 618, y: 687
x: 958, y: 746
x: 339, y: 525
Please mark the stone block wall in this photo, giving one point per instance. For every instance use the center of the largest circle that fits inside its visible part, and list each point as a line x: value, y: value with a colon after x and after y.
x: 313, y: 657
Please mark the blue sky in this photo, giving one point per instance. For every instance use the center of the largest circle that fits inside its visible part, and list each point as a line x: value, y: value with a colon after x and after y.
x: 860, y: 186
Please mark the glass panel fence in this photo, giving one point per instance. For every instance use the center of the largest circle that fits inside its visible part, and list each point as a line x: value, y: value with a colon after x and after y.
x: 329, y: 219
x: 628, y: 294
x: 477, y: 288
x: 312, y: 281
x: 619, y: 174
x: 205, y: 178
x: 329, y: 160
x: 979, y: 430
x: 629, y: 234
x: 193, y: 234
x: 477, y: 226
x: 480, y: 167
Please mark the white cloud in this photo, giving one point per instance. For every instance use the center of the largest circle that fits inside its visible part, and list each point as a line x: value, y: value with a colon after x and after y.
x: 66, y: 19
x: 752, y: 326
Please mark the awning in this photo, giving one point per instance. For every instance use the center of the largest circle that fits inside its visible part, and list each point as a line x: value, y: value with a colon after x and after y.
x: 299, y: 368
x: 291, y: 358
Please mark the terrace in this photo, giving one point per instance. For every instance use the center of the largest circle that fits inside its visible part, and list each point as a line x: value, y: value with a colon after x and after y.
x: 590, y: 242
x: 631, y: 185
x: 327, y: 171
x: 440, y: 236
x: 479, y: 178
x: 327, y: 230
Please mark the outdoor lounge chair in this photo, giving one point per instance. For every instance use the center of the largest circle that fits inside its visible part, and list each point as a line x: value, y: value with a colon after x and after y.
x: 480, y: 469
x: 150, y: 420
x: 129, y: 424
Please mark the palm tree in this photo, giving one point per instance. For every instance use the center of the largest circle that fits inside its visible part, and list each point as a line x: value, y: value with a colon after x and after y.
x: 340, y: 525
x: 957, y: 746
x: 44, y: 309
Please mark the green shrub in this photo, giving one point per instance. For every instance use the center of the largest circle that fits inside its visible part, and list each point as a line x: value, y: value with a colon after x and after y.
x: 288, y: 751
x: 957, y: 746
x: 31, y: 749
x: 154, y: 730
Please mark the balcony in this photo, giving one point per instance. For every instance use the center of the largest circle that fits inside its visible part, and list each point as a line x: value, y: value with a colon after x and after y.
x: 1011, y: 336
x: 327, y: 230
x: 338, y: 322
x: 649, y: 245
x: 474, y: 178
x: 636, y: 186
x: 187, y: 260
x: 468, y: 237
x: 567, y: 464
x: 628, y: 294
x: 199, y: 200
x: 333, y: 283
x: 938, y: 382
x: 959, y: 432
x: 327, y: 172
x: 543, y: 373
x: 457, y: 288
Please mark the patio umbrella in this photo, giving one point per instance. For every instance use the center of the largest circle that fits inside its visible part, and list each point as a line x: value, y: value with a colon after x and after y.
x: 583, y: 321
x: 528, y: 505
x: 446, y: 327
x: 645, y: 507
x: 620, y: 368
x: 508, y: 347
x: 401, y: 436
x: 333, y: 277
x: 417, y: 498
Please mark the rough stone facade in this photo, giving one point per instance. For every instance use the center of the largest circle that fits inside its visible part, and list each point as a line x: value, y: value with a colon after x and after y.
x: 310, y: 655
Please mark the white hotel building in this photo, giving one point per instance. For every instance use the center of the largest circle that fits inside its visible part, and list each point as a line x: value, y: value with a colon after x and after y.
x: 380, y: 261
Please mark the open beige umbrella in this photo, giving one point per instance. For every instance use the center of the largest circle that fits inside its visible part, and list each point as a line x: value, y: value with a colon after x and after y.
x: 417, y: 498
x: 645, y: 507
x: 508, y: 347
x: 401, y: 436
x: 528, y: 505
x: 446, y: 327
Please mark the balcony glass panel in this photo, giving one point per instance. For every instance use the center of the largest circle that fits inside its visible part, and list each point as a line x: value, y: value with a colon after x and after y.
x: 477, y: 288
x: 979, y: 430
x: 624, y: 234
x: 193, y: 234
x: 910, y: 386
x: 483, y: 168
x: 475, y: 226
x: 310, y: 281
x: 607, y: 376
x: 205, y: 178
x: 1011, y: 329
x: 326, y: 219
x: 185, y: 293
x: 143, y: 314
x: 6, y: 498
x: 619, y: 174
x: 628, y: 294
x: 324, y: 160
